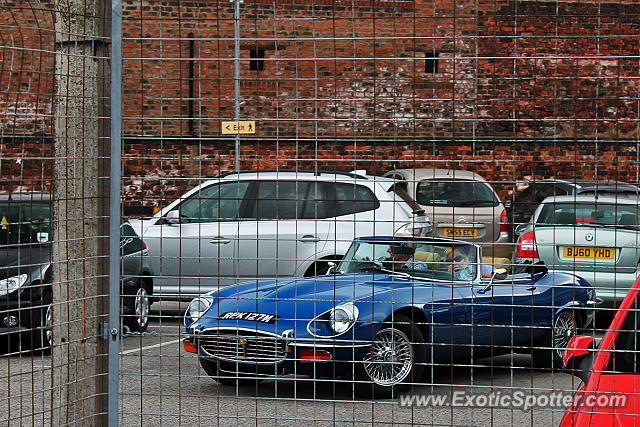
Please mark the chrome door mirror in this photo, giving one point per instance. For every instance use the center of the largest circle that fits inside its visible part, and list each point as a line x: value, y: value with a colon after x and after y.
x: 332, y: 267
x: 496, y: 272
x: 173, y: 217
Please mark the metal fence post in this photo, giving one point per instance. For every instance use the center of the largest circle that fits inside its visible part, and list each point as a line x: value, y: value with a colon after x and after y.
x: 114, y: 226
x: 236, y: 62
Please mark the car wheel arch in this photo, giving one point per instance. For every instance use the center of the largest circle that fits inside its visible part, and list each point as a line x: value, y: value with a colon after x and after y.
x: 576, y: 307
x: 147, y: 282
x: 416, y: 315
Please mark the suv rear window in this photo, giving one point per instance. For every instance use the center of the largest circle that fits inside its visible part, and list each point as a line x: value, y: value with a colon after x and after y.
x: 455, y: 193
x: 589, y: 214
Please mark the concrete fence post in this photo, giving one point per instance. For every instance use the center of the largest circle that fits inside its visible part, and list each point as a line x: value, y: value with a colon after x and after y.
x: 80, y: 213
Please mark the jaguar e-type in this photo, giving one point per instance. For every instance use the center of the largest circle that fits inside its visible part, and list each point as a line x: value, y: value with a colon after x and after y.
x: 393, y: 307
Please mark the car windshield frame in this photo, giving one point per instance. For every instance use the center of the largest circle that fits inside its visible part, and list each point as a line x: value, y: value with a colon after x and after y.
x: 420, y: 259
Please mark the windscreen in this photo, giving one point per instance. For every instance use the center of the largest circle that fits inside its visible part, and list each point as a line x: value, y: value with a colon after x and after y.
x: 455, y: 193
x: 577, y: 213
x: 450, y: 262
x: 24, y: 222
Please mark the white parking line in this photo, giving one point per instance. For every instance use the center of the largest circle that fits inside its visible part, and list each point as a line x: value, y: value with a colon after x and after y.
x: 134, y: 350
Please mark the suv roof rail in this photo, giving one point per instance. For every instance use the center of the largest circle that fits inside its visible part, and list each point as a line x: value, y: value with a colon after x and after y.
x: 316, y: 172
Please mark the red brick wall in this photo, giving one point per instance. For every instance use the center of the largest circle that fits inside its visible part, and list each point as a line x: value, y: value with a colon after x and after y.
x: 166, y: 172
x: 512, y: 76
x: 565, y: 69
x: 27, y: 55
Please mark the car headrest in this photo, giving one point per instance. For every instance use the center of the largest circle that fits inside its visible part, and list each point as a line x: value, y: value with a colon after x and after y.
x: 432, y: 258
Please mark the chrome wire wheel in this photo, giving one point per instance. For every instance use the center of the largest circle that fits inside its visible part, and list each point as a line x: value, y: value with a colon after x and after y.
x: 141, y: 305
x: 564, y: 328
x: 390, y: 358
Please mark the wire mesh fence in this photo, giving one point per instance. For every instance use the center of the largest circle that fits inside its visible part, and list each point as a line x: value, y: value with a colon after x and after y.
x: 335, y: 213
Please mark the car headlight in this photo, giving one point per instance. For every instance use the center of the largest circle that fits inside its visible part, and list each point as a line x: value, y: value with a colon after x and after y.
x: 342, y: 317
x: 196, y: 309
x: 12, y: 283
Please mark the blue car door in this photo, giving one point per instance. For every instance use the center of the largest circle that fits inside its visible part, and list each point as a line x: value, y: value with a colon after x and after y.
x: 450, y: 338
x: 503, y: 313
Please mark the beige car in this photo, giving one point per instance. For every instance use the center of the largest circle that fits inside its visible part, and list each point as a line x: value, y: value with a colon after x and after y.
x: 461, y: 204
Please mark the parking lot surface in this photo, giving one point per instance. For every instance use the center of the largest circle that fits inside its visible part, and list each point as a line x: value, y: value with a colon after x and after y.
x: 161, y: 384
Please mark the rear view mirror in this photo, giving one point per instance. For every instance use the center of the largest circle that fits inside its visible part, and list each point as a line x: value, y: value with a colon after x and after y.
x: 173, y: 217
x: 496, y: 272
x: 332, y: 267
x: 578, y: 357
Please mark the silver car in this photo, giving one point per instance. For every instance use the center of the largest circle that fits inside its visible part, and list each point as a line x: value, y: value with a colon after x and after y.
x: 268, y: 225
x: 596, y: 238
x: 462, y: 204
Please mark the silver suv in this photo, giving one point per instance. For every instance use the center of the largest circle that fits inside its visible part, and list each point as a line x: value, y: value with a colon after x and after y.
x: 270, y: 224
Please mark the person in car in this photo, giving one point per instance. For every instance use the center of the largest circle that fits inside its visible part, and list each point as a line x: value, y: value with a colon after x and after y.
x: 401, y: 256
x: 461, y: 264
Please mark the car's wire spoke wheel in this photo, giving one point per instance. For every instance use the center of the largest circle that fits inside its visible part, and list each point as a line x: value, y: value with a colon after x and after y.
x: 141, y: 305
x: 390, y: 358
x: 564, y: 328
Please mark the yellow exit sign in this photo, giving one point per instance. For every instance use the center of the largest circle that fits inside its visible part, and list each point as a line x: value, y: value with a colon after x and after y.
x: 242, y: 127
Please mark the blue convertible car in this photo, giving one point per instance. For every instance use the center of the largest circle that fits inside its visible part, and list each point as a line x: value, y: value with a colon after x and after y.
x: 391, y: 307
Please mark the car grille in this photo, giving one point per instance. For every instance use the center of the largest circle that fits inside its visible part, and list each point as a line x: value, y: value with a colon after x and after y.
x: 243, y: 346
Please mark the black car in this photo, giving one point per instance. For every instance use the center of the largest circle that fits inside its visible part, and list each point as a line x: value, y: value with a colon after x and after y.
x: 25, y: 272
x: 525, y: 202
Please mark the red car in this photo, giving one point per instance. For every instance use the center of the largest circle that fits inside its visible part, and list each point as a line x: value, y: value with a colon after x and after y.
x: 610, y: 391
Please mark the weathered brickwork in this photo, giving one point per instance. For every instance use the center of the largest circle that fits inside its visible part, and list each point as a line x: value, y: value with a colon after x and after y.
x: 27, y: 55
x: 517, y: 89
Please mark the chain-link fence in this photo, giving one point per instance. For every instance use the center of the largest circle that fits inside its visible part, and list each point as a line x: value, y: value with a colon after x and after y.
x: 331, y: 212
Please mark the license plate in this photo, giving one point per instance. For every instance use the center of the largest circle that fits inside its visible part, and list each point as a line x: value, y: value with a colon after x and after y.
x: 460, y: 232
x: 592, y: 253
x: 252, y: 317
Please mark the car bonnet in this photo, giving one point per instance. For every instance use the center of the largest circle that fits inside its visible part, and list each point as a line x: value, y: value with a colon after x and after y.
x: 16, y: 260
x: 300, y: 298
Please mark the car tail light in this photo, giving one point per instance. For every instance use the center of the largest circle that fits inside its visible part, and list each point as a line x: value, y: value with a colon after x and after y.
x: 504, y: 226
x: 145, y: 245
x: 527, y: 247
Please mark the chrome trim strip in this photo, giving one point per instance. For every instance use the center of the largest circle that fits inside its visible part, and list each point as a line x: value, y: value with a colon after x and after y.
x: 321, y: 345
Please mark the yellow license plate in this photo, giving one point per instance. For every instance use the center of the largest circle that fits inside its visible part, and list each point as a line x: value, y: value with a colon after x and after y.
x: 593, y: 253
x: 460, y: 232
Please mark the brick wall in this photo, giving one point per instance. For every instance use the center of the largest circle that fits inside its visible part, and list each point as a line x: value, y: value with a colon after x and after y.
x: 510, y: 89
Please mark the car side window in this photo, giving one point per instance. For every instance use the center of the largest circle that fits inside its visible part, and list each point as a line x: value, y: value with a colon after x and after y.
x: 218, y: 202
x: 316, y: 206
x: 345, y: 199
x: 280, y: 199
